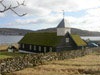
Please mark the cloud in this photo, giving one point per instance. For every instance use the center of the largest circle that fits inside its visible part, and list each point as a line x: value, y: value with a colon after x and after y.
x: 68, y: 5
x: 41, y: 13
x: 94, y: 12
x: 2, y: 15
x: 91, y: 21
x: 45, y: 7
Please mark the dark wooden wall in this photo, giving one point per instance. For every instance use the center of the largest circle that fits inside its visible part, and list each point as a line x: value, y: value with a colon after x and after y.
x: 27, y: 48
x: 63, y: 45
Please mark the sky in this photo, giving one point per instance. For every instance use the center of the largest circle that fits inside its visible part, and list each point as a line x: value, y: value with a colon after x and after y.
x: 42, y: 14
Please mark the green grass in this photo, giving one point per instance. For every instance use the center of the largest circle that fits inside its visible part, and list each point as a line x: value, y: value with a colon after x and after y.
x: 42, y: 38
x: 78, y: 40
x: 4, y: 55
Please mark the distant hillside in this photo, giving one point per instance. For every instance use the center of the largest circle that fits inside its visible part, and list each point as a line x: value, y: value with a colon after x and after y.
x: 74, y: 31
x: 12, y: 31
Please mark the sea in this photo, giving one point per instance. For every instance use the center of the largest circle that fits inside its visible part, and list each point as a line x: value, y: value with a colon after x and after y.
x: 11, y: 39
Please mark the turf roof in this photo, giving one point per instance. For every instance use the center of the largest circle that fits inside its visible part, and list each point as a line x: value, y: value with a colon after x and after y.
x: 77, y: 39
x: 41, y: 38
x: 48, y: 39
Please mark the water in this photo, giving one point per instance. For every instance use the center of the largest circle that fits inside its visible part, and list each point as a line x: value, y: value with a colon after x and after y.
x: 15, y: 39
x: 93, y: 38
x: 9, y: 39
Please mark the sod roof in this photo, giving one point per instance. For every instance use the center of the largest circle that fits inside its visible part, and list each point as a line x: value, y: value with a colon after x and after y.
x: 77, y: 39
x: 48, y: 39
x: 42, y: 38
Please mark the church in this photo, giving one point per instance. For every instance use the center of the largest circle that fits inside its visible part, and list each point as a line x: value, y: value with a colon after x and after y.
x: 42, y: 42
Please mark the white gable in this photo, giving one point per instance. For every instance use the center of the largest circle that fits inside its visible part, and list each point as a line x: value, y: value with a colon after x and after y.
x: 63, y: 27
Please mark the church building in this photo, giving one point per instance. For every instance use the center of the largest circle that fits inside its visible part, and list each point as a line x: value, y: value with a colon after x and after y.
x: 62, y: 40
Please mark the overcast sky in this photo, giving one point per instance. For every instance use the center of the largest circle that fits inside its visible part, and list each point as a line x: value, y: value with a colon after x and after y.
x: 82, y: 14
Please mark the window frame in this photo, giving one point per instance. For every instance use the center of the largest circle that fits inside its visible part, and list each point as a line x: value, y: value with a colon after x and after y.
x: 30, y: 47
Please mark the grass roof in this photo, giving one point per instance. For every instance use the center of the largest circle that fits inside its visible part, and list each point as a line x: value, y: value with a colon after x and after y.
x: 41, y: 38
x: 77, y: 39
x: 48, y: 39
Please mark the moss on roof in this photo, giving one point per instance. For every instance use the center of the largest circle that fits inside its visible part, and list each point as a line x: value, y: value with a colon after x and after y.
x: 77, y: 39
x: 48, y: 39
x: 41, y: 38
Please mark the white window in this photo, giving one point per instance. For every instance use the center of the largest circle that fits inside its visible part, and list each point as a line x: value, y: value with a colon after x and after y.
x: 50, y: 49
x: 67, y: 39
x: 45, y: 49
x: 30, y: 47
x: 22, y: 45
x: 40, y: 48
x: 34, y: 47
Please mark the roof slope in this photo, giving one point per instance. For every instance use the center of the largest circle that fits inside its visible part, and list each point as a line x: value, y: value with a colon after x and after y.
x: 41, y: 38
x: 63, y: 24
x: 77, y: 39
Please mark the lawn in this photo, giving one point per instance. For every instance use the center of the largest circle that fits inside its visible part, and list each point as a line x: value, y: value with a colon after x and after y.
x: 87, y: 65
x: 4, y: 55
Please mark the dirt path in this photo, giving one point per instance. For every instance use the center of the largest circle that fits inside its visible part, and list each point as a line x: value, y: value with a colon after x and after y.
x: 87, y: 65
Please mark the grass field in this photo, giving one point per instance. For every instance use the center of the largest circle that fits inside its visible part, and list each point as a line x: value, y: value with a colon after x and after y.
x: 4, y: 55
x: 87, y: 65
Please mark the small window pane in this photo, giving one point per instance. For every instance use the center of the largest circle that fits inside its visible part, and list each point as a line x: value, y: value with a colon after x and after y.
x: 40, y: 48
x: 50, y: 49
x: 44, y: 49
x: 30, y: 47
x: 34, y: 47
x: 22, y: 45
x: 67, y: 39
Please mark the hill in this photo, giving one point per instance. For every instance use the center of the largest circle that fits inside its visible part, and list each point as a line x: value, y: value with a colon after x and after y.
x: 75, y: 32
x: 13, y: 31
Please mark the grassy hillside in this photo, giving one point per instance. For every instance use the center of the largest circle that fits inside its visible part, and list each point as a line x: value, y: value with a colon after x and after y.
x: 13, y: 31
x: 87, y: 65
x: 74, y: 31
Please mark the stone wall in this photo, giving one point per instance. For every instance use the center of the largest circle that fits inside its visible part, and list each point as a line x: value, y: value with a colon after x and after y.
x: 30, y: 60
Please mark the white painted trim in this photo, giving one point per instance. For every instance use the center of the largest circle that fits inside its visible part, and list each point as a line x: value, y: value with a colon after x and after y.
x: 22, y: 51
x: 34, y: 48
x: 23, y: 46
x: 30, y: 47
x: 45, y: 48
x: 40, y: 48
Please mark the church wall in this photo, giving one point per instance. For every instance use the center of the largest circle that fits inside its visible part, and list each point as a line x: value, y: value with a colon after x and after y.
x: 69, y: 45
